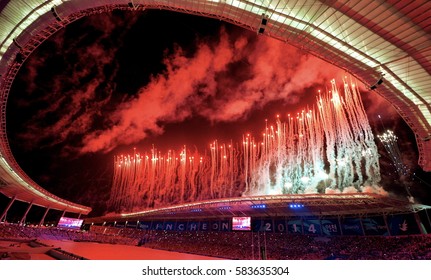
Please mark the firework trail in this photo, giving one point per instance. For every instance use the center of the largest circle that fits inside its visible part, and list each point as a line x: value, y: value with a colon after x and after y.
x: 329, y: 148
x: 390, y: 142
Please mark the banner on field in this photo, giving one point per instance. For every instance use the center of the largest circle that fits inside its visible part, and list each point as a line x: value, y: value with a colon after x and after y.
x: 425, y: 221
x: 193, y: 226
x: 131, y: 225
x: 169, y: 226
x: 403, y: 224
x: 375, y: 226
x: 294, y: 226
x: 220, y: 226
x: 311, y: 226
x: 351, y: 226
x: 330, y: 227
x: 256, y: 224
x: 146, y: 225
x: 157, y: 225
x: 280, y: 226
x: 268, y: 225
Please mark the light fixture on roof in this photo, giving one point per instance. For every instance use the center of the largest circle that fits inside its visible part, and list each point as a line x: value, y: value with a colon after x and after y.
x: 379, y: 82
x: 54, y: 12
x: 296, y: 205
x: 263, y: 23
x: 258, y: 206
x: 15, y: 42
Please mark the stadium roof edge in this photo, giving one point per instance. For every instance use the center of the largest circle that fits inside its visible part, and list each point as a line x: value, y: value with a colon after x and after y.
x: 359, y: 204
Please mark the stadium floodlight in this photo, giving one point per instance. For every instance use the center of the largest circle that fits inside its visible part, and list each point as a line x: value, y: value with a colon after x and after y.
x: 258, y: 206
x: 296, y: 205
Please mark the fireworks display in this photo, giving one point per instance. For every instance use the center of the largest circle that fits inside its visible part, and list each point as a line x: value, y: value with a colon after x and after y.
x: 329, y: 148
x: 390, y: 142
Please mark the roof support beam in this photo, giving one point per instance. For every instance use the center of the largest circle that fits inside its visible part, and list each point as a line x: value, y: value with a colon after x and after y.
x: 25, y: 214
x: 42, y: 221
x: 3, y: 215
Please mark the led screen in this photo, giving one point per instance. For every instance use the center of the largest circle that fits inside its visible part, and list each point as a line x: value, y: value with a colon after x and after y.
x: 70, y: 223
x: 241, y: 223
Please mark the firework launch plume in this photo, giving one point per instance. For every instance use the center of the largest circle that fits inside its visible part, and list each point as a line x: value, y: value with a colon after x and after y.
x: 390, y: 142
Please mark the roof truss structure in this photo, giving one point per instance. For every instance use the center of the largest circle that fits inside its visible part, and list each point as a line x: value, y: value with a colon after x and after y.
x: 312, y: 205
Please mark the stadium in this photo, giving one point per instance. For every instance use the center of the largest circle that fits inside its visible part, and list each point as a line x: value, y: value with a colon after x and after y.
x: 385, y: 45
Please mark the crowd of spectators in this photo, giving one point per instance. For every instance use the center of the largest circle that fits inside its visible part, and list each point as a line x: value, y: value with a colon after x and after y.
x: 15, y: 231
x: 349, y: 247
x: 240, y: 245
x: 228, y: 245
x: 281, y: 246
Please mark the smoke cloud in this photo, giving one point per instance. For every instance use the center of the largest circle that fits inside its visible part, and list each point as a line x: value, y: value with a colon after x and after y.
x: 222, y: 78
x: 222, y: 81
x: 69, y: 83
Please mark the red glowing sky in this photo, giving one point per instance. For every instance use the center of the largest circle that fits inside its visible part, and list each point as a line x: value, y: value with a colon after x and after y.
x: 109, y: 83
x: 222, y: 78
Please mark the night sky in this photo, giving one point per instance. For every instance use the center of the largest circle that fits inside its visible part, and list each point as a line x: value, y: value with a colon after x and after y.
x: 111, y: 82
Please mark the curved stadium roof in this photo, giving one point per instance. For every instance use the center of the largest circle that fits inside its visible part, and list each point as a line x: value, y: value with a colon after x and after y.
x: 270, y: 206
x: 384, y: 43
